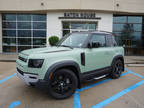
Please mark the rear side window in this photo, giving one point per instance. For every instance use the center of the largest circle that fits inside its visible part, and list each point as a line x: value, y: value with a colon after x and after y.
x: 99, y: 38
x: 110, y: 41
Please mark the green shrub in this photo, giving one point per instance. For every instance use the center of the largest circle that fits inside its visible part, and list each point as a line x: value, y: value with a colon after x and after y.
x: 53, y: 40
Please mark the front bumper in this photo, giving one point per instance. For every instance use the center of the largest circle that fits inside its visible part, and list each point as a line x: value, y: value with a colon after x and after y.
x: 28, y: 78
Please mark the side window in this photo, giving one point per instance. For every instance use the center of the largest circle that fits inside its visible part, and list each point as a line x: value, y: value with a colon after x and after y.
x: 114, y: 41
x: 99, y: 38
x: 110, y: 41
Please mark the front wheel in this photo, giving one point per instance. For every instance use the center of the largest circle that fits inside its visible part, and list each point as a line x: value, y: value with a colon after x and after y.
x: 117, y: 69
x: 62, y: 84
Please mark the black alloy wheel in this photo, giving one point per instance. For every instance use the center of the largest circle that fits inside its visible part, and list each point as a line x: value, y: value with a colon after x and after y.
x: 63, y: 84
x: 117, y: 69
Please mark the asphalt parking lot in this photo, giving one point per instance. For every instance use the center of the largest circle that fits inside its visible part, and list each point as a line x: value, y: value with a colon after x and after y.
x: 125, y: 92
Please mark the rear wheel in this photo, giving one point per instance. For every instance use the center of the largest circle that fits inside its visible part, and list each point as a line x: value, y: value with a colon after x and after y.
x: 117, y: 69
x: 62, y: 84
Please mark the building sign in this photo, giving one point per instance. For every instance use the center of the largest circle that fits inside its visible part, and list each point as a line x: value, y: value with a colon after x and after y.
x: 79, y: 15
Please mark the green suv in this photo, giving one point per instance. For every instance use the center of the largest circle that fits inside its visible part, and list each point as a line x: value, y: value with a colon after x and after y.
x: 76, y: 58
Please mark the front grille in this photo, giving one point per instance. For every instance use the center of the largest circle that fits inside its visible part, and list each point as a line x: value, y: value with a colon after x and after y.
x: 22, y: 59
x: 21, y: 72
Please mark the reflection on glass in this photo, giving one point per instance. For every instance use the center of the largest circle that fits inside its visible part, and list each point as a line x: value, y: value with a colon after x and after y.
x: 9, y: 17
x: 9, y: 49
x: 118, y: 27
x: 18, y: 33
x: 24, y: 17
x: 24, y: 33
x: 137, y: 27
x: 39, y: 25
x: 24, y: 41
x: 39, y: 33
x: 39, y: 17
x: 120, y: 19
x: 66, y: 25
x: 137, y: 35
x: 134, y: 19
x: 92, y: 26
x: 9, y: 33
x: 65, y: 32
x: 9, y: 25
x: 24, y: 25
x: 9, y: 41
x: 37, y: 41
x: 38, y: 46
x: 21, y: 48
x: 79, y: 26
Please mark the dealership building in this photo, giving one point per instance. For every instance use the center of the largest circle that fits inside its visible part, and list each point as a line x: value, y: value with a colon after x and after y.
x: 26, y: 24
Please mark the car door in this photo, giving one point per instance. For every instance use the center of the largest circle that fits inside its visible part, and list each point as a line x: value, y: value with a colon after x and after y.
x: 96, y: 58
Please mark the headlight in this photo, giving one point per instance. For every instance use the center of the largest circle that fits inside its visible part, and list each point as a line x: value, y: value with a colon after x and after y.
x: 35, y: 63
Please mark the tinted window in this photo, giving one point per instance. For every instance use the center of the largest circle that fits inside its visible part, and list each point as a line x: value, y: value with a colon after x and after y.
x: 24, y: 25
x: 39, y: 25
x: 99, y: 38
x: 39, y: 17
x: 9, y: 17
x: 24, y: 17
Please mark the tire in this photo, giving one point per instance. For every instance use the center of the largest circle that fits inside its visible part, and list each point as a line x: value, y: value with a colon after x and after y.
x: 117, y: 69
x: 62, y: 84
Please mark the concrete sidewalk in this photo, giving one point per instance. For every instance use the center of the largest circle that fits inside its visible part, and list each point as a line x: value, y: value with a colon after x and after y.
x: 8, y: 57
x: 128, y: 59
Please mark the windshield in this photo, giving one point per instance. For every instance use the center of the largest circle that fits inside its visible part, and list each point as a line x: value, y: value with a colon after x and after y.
x: 75, y: 40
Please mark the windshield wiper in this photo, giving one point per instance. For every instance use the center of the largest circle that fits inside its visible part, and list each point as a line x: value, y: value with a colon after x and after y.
x: 66, y: 46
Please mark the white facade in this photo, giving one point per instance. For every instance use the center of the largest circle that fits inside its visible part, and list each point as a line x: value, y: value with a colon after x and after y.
x: 54, y: 24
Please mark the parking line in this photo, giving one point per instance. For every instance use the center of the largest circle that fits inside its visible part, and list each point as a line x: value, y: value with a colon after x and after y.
x: 101, y: 82
x: 77, y: 100
x: 14, y: 104
x: 116, y: 96
x: 77, y: 97
x: 5, y: 79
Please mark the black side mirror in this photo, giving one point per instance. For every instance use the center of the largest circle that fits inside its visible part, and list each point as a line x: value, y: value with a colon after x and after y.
x: 94, y: 44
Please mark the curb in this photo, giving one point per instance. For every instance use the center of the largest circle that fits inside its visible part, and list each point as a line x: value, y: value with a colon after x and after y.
x: 7, y: 60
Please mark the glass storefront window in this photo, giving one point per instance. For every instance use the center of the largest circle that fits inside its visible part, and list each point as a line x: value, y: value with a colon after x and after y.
x: 70, y: 27
x: 120, y: 19
x: 118, y: 27
x: 24, y: 17
x: 39, y: 25
x: 23, y: 31
x: 134, y: 19
x: 8, y: 49
x: 24, y: 25
x: 39, y: 33
x: 24, y: 41
x: 37, y: 17
x: 9, y: 41
x: 37, y: 41
x: 137, y: 27
x: 9, y: 25
x: 9, y: 17
x: 128, y: 31
x: 9, y: 33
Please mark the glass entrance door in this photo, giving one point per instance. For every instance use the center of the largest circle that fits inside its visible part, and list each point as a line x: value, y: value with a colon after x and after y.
x: 70, y: 27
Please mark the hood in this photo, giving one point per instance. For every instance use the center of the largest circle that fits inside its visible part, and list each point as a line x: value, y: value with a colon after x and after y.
x: 45, y: 50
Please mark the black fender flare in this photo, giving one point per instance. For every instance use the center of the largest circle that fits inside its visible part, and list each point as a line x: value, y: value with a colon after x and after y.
x: 62, y: 64
x: 118, y: 57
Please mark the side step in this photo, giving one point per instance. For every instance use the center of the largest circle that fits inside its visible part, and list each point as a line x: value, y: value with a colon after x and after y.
x: 100, y: 77
x: 96, y: 78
